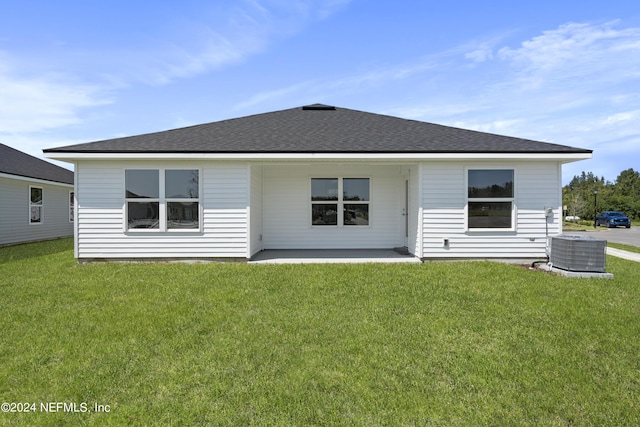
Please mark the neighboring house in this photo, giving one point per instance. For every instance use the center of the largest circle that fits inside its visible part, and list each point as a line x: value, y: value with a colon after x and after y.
x: 36, y: 198
x: 316, y: 177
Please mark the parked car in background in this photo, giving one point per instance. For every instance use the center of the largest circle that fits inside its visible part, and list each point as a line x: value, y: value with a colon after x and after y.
x: 613, y: 219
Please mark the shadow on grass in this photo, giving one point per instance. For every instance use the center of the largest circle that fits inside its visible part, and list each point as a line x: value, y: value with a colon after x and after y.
x: 35, y: 249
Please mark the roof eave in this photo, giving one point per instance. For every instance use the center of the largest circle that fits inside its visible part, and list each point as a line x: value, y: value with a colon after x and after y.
x: 410, y: 156
x: 35, y: 179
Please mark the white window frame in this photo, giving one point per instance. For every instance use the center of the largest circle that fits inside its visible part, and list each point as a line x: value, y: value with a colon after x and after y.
x: 162, y: 201
x: 340, y: 202
x: 40, y: 205
x: 469, y: 200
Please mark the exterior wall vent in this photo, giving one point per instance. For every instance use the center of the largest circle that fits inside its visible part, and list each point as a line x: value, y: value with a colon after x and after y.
x: 578, y: 253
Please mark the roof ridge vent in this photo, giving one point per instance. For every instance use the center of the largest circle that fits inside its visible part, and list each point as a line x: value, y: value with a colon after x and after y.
x: 319, y: 107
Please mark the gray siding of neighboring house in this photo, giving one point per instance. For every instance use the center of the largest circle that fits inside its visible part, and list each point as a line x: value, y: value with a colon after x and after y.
x: 15, y: 225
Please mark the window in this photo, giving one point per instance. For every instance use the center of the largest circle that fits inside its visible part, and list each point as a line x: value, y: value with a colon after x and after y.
x: 324, y: 190
x: 340, y: 201
x: 490, y: 199
x: 142, y: 191
x: 71, y: 206
x: 162, y: 200
x: 182, y: 192
x: 35, y: 205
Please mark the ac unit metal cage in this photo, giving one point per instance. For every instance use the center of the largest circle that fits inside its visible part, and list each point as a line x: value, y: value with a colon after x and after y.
x: 578, y: 253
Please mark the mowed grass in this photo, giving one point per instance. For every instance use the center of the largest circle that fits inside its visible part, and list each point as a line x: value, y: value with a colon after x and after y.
x: 624, y: 247
x: 451, y: 343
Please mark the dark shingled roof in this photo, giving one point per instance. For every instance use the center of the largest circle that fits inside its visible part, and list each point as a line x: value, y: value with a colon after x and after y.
x: 15, y: 162
x: 318, y: 128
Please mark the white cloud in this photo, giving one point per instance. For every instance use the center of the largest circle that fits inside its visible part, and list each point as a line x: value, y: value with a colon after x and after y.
x: 49, y: 96
x: 573, y: 51
x: 199, y: 45
x: 575, y: 72
x: 31, y: 104
x: 502, y: 127
x: 484, y: 53
x: 273, y: 95
x: 625, y: 116
x: 432, y: 112
x: 344, y: 85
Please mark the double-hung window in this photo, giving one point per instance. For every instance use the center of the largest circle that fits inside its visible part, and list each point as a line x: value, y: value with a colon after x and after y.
x: 490, y: 198
x: 340, y: 201
x: 36, y: 205
x: 162, y: 199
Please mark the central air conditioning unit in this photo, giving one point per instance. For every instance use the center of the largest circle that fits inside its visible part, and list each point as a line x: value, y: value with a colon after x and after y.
x: 578, y: 253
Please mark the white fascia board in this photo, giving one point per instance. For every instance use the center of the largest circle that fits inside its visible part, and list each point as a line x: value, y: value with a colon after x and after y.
x: 564, y: 157
x: 34, y: 180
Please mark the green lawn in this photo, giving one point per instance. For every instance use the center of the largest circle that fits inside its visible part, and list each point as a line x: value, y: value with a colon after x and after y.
x: 464, y: 343
x: 624, y: 247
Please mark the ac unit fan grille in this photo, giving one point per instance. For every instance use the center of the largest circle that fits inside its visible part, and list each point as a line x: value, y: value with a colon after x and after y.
x: 578, y: 253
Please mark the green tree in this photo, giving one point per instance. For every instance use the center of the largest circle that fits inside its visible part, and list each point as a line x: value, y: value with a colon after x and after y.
x: 579, y: 196
x: 627, y: 188
x: 622, y: 195
x: 628, y: 183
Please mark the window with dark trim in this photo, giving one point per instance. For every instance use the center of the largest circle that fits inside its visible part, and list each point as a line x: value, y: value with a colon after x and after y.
x: 490, y: 197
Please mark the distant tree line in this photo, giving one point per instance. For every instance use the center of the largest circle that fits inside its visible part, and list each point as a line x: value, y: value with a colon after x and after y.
x: 622, y: 195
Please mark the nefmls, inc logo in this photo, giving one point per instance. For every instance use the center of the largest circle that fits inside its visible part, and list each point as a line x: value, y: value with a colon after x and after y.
x: 64, y: 407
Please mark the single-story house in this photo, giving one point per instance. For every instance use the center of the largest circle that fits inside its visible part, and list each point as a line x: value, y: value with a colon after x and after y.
x: 316, y: 177
x: 36, y: 198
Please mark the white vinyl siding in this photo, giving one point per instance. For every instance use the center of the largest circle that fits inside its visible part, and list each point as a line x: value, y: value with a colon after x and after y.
x: 101, y: 214
x: 255, y: 213
x: 287, y: 208
x: 250, y: 207
x: 537, y: 185
x: 15, y: 225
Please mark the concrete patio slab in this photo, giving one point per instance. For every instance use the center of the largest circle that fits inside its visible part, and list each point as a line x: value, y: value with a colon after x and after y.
x: 351, y: 256
x: 575, y: 274
x: 331, y: 256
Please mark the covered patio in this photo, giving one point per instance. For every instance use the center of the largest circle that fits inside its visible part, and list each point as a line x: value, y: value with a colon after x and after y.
x: 331, y: 256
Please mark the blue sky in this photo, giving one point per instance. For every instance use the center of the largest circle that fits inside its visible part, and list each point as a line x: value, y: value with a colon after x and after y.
x: 560, y: 71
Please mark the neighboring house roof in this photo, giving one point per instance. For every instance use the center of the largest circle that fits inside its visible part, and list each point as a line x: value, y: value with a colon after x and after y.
x: 318, y: 129
x: 15, y: 162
